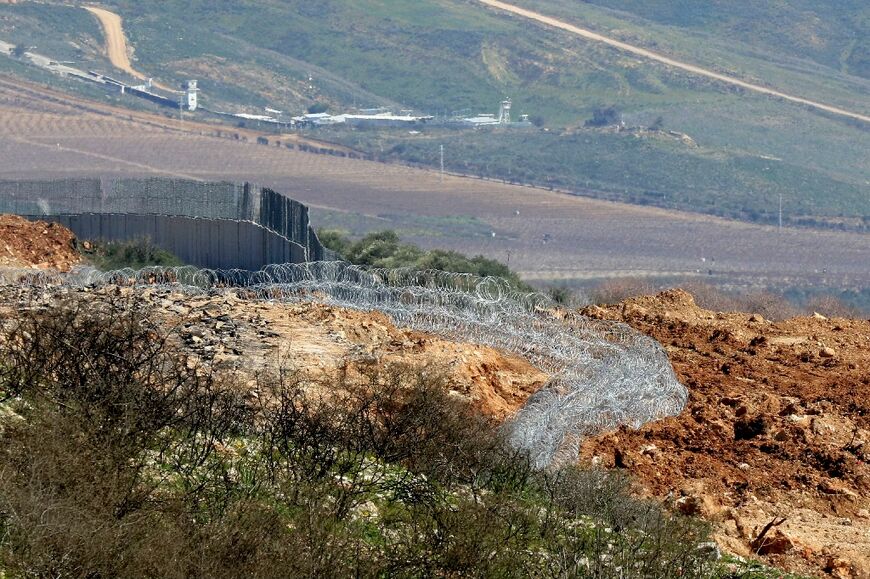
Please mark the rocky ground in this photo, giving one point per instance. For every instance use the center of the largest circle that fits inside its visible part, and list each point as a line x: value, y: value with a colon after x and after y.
x: 227, y: 331
x: 36, y: 244
x: 777, y: 429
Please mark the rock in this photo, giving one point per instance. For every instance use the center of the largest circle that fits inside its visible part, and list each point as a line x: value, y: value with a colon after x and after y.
x: 747, y: 428
x: 757, y: 318
x: 688, y: 505
x: 780, y: 436
x: 743, y: 466
x: 649, y: 450
x: 838, y: 567
x: 830, y: 487
x: 711, y: 550
x: 179, y: 309
x: 778, y: 544
x: 818, y: 316
x: 827, y: 353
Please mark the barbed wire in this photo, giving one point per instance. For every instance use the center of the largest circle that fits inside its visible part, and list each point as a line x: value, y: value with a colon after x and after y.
x: 603, y: 374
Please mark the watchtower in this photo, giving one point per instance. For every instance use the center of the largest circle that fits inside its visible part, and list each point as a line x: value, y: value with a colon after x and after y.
x: 504, y: 112
x: 191, y: 91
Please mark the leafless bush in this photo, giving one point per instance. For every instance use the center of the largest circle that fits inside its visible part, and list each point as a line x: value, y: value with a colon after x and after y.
x: 617, y: 290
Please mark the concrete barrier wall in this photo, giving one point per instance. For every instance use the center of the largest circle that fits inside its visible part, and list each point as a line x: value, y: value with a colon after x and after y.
x: 209, y: 203
x: 210, y: 243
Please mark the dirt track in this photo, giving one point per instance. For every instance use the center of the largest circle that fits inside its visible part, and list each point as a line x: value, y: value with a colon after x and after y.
x: 116, y: 43
x: 585, y: 33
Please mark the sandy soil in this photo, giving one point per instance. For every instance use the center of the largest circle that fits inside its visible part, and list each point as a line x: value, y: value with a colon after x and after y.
x: 116, y: 44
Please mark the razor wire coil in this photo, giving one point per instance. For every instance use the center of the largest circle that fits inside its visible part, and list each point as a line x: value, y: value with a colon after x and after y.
x: 602, y: 374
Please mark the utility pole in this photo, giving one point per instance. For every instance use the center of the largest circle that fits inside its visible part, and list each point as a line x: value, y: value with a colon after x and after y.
x: 780, y: 212
x: 442, y: 163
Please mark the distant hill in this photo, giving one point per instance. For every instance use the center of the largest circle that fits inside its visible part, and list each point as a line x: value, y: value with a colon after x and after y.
x: 835, y: 34
x: 441, y: 56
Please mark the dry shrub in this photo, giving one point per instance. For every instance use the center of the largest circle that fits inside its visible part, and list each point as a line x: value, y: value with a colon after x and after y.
x: 617, y: 290
x: 118, y: 460
x: 831, y: 307
x: 768, y: 304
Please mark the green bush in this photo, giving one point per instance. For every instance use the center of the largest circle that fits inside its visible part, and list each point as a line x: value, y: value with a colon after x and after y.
x: 135, y: 254
x: 384, y: 249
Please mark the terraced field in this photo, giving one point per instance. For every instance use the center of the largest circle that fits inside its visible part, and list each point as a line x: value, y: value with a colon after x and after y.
x: 544, y: 235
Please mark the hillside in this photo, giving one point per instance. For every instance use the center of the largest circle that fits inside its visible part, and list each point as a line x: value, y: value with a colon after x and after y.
x: 835, y: 35
x: 544, y: 236
x: 742, y: 152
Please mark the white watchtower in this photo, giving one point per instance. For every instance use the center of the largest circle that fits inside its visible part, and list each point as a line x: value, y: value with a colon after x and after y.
x: 191, y: 92
x: 504, y: 112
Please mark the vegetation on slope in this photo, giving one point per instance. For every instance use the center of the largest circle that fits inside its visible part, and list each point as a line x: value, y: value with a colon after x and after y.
x: 121, y: 458
x: 834, y: 35
x: 384, y: 249
x: 644, y: 167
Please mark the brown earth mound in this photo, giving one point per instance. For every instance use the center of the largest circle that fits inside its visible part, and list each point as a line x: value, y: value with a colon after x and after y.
x: 36, y: 244
x: 777, y: 427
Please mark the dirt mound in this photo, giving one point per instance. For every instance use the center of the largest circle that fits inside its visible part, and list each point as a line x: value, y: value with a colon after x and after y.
x: 778, y: 425
x: 36, y: 244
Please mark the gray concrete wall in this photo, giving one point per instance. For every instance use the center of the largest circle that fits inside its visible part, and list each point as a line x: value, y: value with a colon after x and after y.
x: 209, y: 243
x: 193, y: 217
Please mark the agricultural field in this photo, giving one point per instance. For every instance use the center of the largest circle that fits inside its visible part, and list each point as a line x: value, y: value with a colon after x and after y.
x: 546, y: 236
x: 717, y: 150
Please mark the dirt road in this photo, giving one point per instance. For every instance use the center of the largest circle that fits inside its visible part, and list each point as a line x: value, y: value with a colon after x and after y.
x: 585, y: 33
x: 116, y: 43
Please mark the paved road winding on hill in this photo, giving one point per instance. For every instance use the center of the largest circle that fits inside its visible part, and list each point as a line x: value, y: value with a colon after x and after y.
x: 116, y: 43
x: 589, y: 34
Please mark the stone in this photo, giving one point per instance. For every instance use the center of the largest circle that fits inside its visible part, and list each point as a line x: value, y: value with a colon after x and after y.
x: 777, y: 544
x: 688, y: 505
x: 818, y: 316
x: 827, y: 353
x: 757, y: 318
x: 649, y: 450
x: 179, y: 309
x: 838, y: 567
